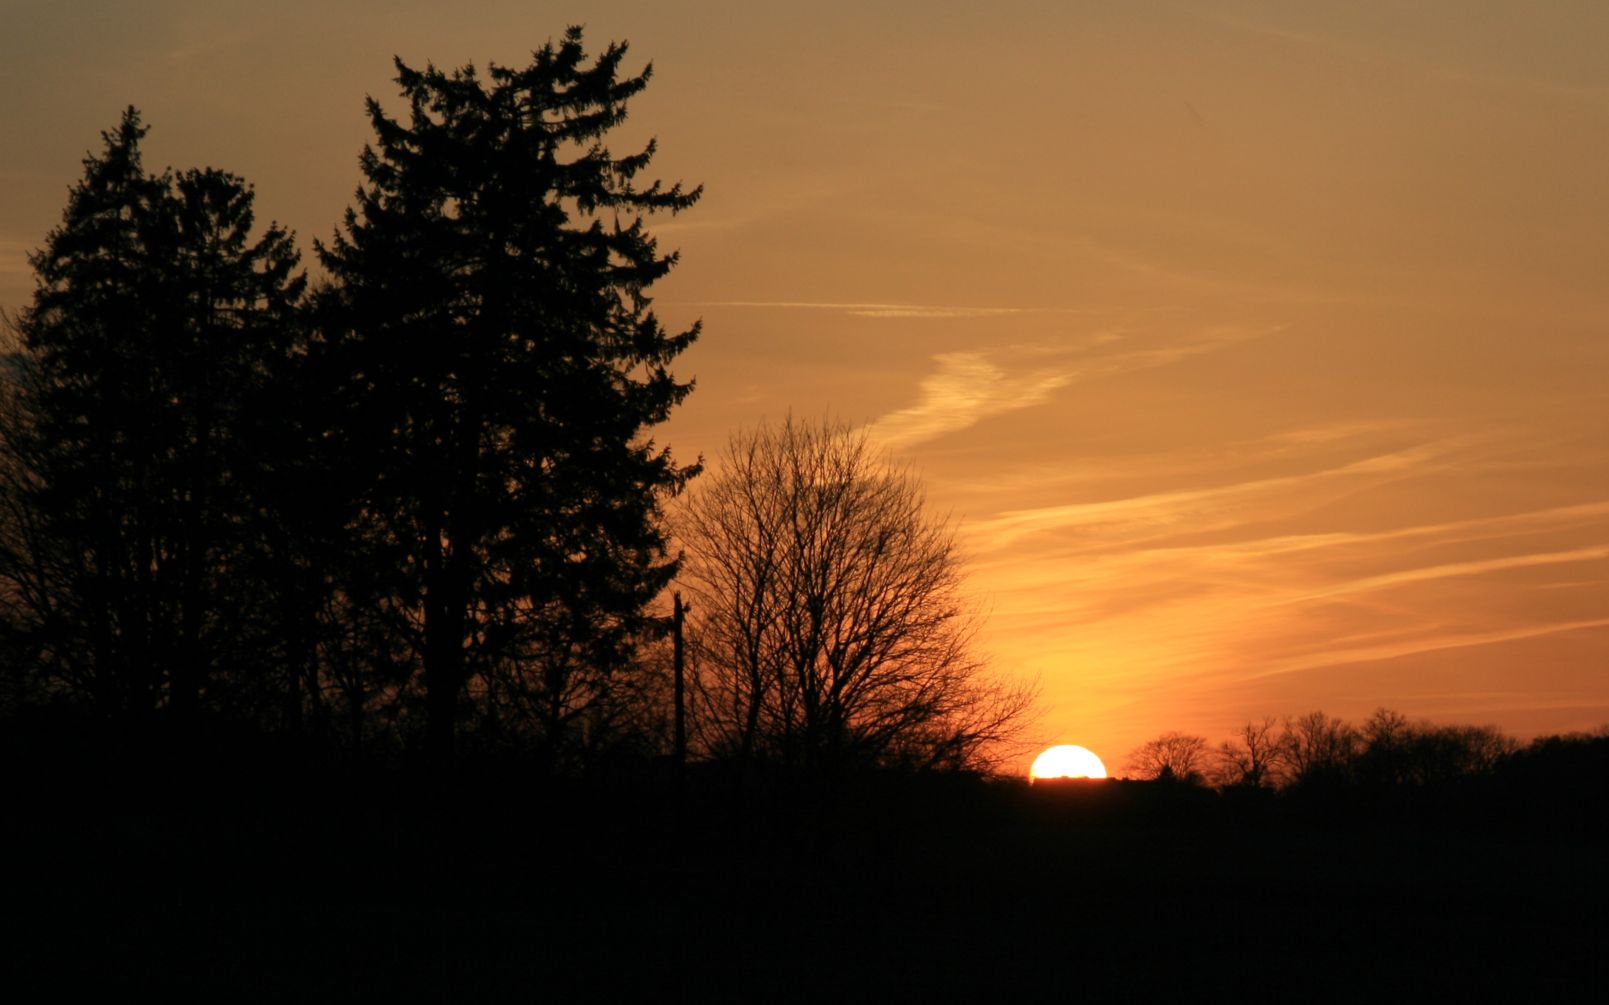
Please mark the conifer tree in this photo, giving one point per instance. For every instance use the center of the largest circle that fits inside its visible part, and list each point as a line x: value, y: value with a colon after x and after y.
x: 136, y: 406
x: 497, y: 370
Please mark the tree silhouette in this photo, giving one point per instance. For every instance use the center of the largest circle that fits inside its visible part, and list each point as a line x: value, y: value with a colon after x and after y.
x: 1253, y: 757
x: 830, y: 629
x: 1319, y: 749
x: 1172, y: 756
x: 1396, y: 752
x: 495, y: 368
x: 136, y: 397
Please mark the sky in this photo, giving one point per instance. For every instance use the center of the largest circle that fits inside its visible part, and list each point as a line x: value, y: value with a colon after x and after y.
x: 1255, y: 350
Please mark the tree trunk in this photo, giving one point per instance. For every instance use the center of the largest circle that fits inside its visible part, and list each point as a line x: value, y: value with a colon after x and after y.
x: 444, y: 650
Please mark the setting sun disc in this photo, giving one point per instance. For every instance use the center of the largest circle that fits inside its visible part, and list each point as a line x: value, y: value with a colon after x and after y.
x: 1067, y: 761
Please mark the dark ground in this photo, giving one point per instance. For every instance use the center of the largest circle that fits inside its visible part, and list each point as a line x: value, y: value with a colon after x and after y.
x: 370, y: 885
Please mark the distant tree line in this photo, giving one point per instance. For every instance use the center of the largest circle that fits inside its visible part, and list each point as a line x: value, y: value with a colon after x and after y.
x: 1317, y: 753
x: 415, y: 504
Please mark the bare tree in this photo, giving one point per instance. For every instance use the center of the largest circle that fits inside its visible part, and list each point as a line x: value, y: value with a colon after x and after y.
x: 1319, y: 748
x: 1386, y: 740
x: 1395, y: 751
x: 1170, y: 756
x: 1253, y: 757
x: 829, y: 626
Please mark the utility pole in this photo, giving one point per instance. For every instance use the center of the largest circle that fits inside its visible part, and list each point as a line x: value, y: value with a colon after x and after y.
x: 677, y: 660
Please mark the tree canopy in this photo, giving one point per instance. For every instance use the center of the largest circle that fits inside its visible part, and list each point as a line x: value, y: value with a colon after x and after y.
x: 424, y: 501
x: 831, y: 626
x: 496, y: 369
x: 136, y: 404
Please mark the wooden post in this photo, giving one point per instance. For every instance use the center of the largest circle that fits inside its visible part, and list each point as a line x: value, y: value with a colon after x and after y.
x: 678, y: 611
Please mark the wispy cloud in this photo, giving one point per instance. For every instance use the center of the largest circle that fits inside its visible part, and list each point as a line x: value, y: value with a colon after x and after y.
x: 1129, y: 561
x: 969, y: 387
x: 1164, y: 508
x: 1334, y: 657
x: 1449, y: 570
x: 886, y: 310
x: 966, y: 389
x: 1217, y: 579
x: 1334, y: 432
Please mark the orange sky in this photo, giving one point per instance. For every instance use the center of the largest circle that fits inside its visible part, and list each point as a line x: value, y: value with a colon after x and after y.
x: 1256, y: 348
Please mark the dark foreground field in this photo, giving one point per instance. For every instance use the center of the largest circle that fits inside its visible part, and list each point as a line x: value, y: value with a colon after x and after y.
x: 487, y: 886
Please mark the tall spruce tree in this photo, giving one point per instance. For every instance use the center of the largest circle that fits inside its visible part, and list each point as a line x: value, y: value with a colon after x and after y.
x: 499, y: 369
x: 137, y: 403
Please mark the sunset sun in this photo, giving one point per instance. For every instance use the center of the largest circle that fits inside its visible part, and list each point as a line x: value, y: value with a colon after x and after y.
x: 1067, y: 761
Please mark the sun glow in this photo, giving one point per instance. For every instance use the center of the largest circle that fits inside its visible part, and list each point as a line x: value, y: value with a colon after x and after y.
x: 1067, y: 761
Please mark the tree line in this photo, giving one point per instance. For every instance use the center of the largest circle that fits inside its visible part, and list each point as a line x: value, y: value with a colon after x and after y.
x: 416, y: 502
x: 1315, y: 752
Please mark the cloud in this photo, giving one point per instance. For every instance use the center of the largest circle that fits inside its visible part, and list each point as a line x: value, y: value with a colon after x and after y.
x: 968, y: 387
x: 915, y: 311
x: 1176, y: 579
x: 1168, y: 508
x: 1429, y: 643
x: 1478, y: 567
x: 1447, y: 532
x: 1334, y: 432
x: 885, y: 310
x: 1127, y: 561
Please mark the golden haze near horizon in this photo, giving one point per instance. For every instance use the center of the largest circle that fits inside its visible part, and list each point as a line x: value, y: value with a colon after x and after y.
x: 1256, y: 349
